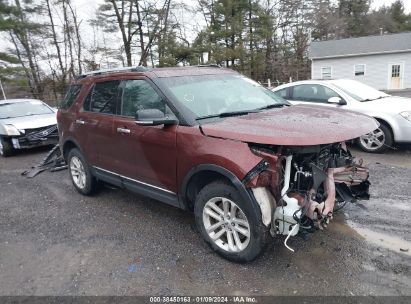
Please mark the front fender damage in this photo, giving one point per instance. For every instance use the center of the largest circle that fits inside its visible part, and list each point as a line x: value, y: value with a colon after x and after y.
x: 266, y: 202
x: 298, y: 188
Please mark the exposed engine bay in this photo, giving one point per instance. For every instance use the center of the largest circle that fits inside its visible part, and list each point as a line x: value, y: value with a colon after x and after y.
x: 305, y: 185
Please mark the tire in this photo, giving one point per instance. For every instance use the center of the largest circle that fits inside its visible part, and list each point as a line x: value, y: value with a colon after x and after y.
x: 339, y: 205
x: 243, y: 248
x: 6, y: 148
x: 371, y: 142
x: 80, y: 173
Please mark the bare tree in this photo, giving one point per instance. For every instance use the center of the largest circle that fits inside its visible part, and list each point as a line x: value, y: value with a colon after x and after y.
x: 21, y: 38
x: 78, y: 40
x: 55, y: 41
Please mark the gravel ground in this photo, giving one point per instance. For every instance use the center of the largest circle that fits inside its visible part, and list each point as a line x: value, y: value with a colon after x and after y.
x: 54, y: 241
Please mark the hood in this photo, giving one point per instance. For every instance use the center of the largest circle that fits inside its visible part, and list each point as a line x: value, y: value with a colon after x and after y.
x: 31, y: 122
x: 392, y: 104
x: 299, y: 125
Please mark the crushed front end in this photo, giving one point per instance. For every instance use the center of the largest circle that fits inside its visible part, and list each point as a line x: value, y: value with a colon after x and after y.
x: 30, y: 138
x: 299, y: 188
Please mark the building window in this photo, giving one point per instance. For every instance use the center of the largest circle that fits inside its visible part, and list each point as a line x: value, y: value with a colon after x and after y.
x: 395, y: 70
x: 326, y: 73
x: 359, y: 69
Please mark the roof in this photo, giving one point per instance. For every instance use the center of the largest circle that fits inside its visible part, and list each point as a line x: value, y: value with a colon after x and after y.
x: 369, y: 45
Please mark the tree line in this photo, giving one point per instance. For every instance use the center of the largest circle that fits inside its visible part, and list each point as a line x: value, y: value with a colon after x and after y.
x: 45, y: 43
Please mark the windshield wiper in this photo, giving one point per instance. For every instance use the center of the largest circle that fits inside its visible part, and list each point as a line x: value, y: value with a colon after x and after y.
x: 244, y: 112
x: 33, y: 114
x: 228, y: 114
x: 273, y: 106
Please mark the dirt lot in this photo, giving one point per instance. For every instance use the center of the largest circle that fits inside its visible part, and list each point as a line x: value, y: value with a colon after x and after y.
x: 53, y: 241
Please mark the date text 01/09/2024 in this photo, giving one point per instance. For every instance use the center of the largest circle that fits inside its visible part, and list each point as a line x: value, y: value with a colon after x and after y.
x: 203, y: 299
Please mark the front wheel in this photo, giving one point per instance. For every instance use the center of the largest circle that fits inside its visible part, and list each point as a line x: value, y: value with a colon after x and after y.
x: 231, y: 226
x: 6, y: 148
x: 339, y: 204
x: 80, y: 173
x: 376, y: 141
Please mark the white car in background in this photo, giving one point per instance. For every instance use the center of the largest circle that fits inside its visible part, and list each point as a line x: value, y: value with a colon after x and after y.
x: 26, y: 123
x: 392, y: 112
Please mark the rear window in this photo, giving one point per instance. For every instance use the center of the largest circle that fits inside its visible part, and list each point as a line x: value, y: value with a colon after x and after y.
x: 71, y: 96
x: 103, y: 97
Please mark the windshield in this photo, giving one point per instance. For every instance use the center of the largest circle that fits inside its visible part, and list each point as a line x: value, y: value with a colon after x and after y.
x: 358, y: 90
x: 208, y: 95
x: 24, y: 108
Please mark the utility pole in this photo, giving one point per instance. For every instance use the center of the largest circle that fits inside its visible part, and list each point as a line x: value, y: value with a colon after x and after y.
x: 2, y: 90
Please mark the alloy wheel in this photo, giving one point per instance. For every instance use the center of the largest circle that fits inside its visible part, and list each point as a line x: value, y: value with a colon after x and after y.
x: 77, y: 172
x: 373, y: 140
x: 226, y: 224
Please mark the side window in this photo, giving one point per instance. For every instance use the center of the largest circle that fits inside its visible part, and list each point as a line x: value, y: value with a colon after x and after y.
x: 282, y: 93
x: 328, y: 93
x: 103, y: 97
x: 313, y: 93
x: 70, y: 96
x: 139, y: 95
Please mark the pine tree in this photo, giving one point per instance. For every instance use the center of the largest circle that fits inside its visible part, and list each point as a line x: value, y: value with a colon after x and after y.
x: 22, y: 33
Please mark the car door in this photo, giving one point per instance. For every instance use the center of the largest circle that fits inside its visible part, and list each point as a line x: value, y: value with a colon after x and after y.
x: 146, y: 155
x: 94, y: 124
x: 313, y: 94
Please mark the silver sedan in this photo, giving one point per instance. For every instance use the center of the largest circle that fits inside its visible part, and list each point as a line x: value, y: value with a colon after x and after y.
x: 393, y: 113
x: 26, y: 123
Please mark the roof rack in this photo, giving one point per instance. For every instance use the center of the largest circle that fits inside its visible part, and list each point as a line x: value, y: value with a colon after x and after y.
x: 209, y: 65
x: 113, y: 70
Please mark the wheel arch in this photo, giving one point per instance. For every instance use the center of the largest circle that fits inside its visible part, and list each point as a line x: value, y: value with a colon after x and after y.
x: 69, y: 144
x: 387, y: 124
x: 203, y: 174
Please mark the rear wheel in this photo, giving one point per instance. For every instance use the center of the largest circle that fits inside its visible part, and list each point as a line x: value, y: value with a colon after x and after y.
x: 376, y: 141
x: 6, y: 148
x: 80, y: 173
x: 232, y: 227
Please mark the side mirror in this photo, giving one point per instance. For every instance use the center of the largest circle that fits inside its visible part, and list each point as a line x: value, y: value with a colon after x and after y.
x: 336, y: 100
x: 154, y: 117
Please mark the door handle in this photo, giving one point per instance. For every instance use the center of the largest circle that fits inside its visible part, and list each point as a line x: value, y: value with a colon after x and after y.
x: 123, y: 130
x: 80, y: 122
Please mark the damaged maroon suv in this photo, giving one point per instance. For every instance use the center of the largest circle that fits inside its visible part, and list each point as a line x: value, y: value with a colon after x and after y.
x: 211, y: 141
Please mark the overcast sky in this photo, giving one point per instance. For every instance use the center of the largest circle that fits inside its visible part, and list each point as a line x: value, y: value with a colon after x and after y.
x: 86, y: 10
x: 378, y: 3
x: 87, y: 7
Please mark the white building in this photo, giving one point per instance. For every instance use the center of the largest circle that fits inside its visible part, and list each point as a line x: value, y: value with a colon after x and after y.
x: 383, y: 62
